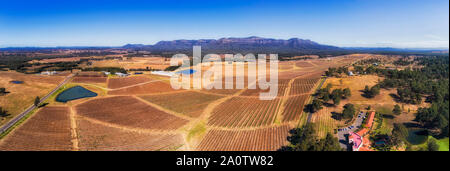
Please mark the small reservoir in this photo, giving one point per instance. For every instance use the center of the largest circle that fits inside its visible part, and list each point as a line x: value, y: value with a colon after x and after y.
x: 74, y: 93
x: 187, y: 71
x: 16, y: 82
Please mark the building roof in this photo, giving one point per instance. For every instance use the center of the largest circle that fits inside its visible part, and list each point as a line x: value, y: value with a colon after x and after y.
x: 357, y: 141
x: 370, y: 120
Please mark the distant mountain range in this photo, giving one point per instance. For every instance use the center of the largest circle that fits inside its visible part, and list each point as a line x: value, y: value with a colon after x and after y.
x: 238, y: 45
x: 255, y: 45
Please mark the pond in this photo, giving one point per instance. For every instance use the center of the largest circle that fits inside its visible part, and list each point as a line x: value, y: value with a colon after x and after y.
x: 74, y: 93
x: 416, y: 136
x: 16, y: 82
x: 187, y: 71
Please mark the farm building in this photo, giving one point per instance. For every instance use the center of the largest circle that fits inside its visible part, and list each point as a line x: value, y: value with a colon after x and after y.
x: 49, y: 73
x: 359, y: 140
x: 350, y: 73
x: 122, y: 74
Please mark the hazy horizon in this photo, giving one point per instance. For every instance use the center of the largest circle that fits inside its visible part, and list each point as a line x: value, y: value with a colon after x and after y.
x: 350, y: 23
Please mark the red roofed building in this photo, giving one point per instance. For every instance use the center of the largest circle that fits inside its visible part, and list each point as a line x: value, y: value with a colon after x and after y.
x: 358, y: 141
x: 370, y: 120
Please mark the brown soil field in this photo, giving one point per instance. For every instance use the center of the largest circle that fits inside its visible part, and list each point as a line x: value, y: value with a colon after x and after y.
x: 282, y: 85
x: 291, y: 74
x: 89, y: 79
x: 285, y: 66
x: 303, y: 64
x: 294, y: 107
x: 303, y: 85
x: 97, y: 137
x: 148, y: 88
x: 114, y: 83
x: 266, y: 139
x: 90, y: 74
x: 244, y: 112
x: 190, y: 103
x: 48, y: 129
x: 130, y: 112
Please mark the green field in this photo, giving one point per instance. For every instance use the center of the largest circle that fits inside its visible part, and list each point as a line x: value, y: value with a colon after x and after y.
x: 443, y: 144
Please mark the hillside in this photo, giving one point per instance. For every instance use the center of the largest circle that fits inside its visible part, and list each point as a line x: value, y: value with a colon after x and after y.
x: 238, y: 45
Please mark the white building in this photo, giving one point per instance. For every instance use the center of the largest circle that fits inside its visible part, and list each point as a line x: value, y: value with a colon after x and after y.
x: 48, y: 73
x: 121, y: 74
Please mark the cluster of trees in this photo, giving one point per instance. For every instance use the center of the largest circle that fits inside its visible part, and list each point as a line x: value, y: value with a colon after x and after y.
x: 305, y: 139
x: 432, y: 82
x: 55, y: 66
x: 362, y: 70
x: 324, y: 96
x: 172, y: 68
x: 2, y: 90
x: 336, y: 95
x: 371, y: 92
x: 368, y: 61
x: 336, y: 71
x: 315, y: 105
x: 399, y: 134
x: 403, y: 62
x: 112, y: 70
x: 397, y: 110
x: 3, y: 113
x: 349, y: 111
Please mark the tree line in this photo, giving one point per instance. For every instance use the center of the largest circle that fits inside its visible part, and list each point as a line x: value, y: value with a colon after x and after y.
x: 305, y: 139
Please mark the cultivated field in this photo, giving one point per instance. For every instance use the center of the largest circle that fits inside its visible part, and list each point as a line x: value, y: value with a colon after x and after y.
x: 294, y: 107
x: 128, y: 112
x: 189, y: 103
x: 115, y: 83
x: 98, y: 137
x: 48, y: 129
x: 89, y: 79
x: 268, y: 139
x: 244, y: 112
x: 147, y: 88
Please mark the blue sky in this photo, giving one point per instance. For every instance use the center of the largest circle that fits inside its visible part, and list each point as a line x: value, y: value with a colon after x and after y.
x: 366, y: 23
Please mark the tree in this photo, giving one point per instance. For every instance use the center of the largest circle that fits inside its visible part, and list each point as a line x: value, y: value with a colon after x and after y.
x: 305, y: 139
x: 37, y: 100
x: 328, y: 87
x: 432, y: 145
x: 366, y: 89
x: 330, y: 143
x: 346, y: 93
x: 317, y: 105
x: 371, y: 92
x: 326, y: 97
x: 349, y: 111
x: 336, y: 95
x: 3, y: 113
x: 336, y: 100
x: 396, y: 110
x: 399, y: 134
x: 375, y: 90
